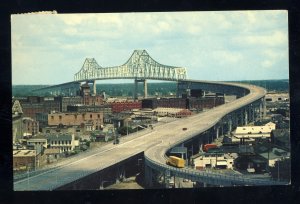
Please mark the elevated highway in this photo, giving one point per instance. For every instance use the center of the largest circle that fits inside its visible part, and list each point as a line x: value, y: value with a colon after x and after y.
x: 155, y: 143
x: 156, y: 156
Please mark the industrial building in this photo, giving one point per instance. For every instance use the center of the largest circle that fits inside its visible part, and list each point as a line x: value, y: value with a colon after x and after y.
x: 204, y: 103
x: 26, y: 159
x: 253, y: 132
x: 172, y: 112
x: 106, y: 109
x: 185, y: 103
x: 36, y: 104
x: 66, y: 101
x: 30, y: 126
x: 277, y: 97
x: 118, y: 107
x: 89, y: 120
x: 164, y: 102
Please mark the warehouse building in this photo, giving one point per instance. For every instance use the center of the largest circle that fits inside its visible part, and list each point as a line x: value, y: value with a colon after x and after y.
x: 89, y: 120
x: 203, y: 161
x: 36, y: 104
x: 253, y: 132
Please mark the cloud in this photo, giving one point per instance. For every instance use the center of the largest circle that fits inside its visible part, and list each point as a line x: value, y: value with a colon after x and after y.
x: 241, y: 41
x: 273, y: 54
x: 74, y: 19
x: 273, y: 39
x: 267, y: 63
x: 223, y: 56
x: 70, y: 31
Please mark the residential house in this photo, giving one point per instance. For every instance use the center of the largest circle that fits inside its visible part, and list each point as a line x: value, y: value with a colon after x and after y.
x: 63, y: 142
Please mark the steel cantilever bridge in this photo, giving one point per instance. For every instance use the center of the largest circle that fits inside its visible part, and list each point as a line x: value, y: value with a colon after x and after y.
x: 140, y: 67
x: 248, y: 106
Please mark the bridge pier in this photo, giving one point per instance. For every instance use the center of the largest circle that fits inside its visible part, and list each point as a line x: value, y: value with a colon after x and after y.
x: 229, y: 123
x: 264, y: 107
x: 136, y: 81
x: 246, y: 116
x: 145, y: 89
x: 217, y: 131
x: 94, y: 88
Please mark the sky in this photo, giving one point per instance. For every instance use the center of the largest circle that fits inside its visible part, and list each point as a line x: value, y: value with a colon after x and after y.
x: 217, y: 46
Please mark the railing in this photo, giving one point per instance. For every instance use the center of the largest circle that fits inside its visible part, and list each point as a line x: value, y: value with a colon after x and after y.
x: 210, y: 177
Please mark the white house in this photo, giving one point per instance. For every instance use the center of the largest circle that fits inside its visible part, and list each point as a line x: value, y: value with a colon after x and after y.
x: 253, y: 132
x: 212, y: 160
x: 64, y: 142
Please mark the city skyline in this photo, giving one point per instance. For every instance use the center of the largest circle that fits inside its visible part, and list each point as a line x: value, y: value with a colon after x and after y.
x: 210, y: 45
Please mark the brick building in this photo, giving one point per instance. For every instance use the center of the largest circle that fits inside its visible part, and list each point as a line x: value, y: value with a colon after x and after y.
x: 164, y: 102
x: 188, y: 103
x: 66, y: 101
x: 30, y: 126
x: 117, y: 107
x: 26, y: 159
x: 42, y: 118
x: 204, y: 103
x: 36, y: 104
x: 87, y: 98
x: 106, y: 109
x: 91, y: 120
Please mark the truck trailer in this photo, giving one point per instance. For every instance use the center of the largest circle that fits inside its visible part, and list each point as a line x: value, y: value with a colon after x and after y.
x: 176, y: 162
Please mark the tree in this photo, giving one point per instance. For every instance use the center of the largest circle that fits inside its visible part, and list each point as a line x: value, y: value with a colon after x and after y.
x: 123, y: 130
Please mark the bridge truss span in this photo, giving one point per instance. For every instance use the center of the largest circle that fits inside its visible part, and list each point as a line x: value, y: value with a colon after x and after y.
x: 139, y: 66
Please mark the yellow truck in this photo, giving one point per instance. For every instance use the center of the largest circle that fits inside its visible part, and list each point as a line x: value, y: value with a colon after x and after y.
x: 176, y: 161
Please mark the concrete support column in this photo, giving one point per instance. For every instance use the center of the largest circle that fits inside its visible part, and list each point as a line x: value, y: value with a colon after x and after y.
x: 135, y: 96
x: 145, y: 89
x: 255, y: 112
x: 229, y: 126
x: 251, y: 118
x: 246, y: 116
x: 264, y: 107
x: 217, y: 132
x: 222, y: 130
x: 94, y: 88
x: 260, y: 111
